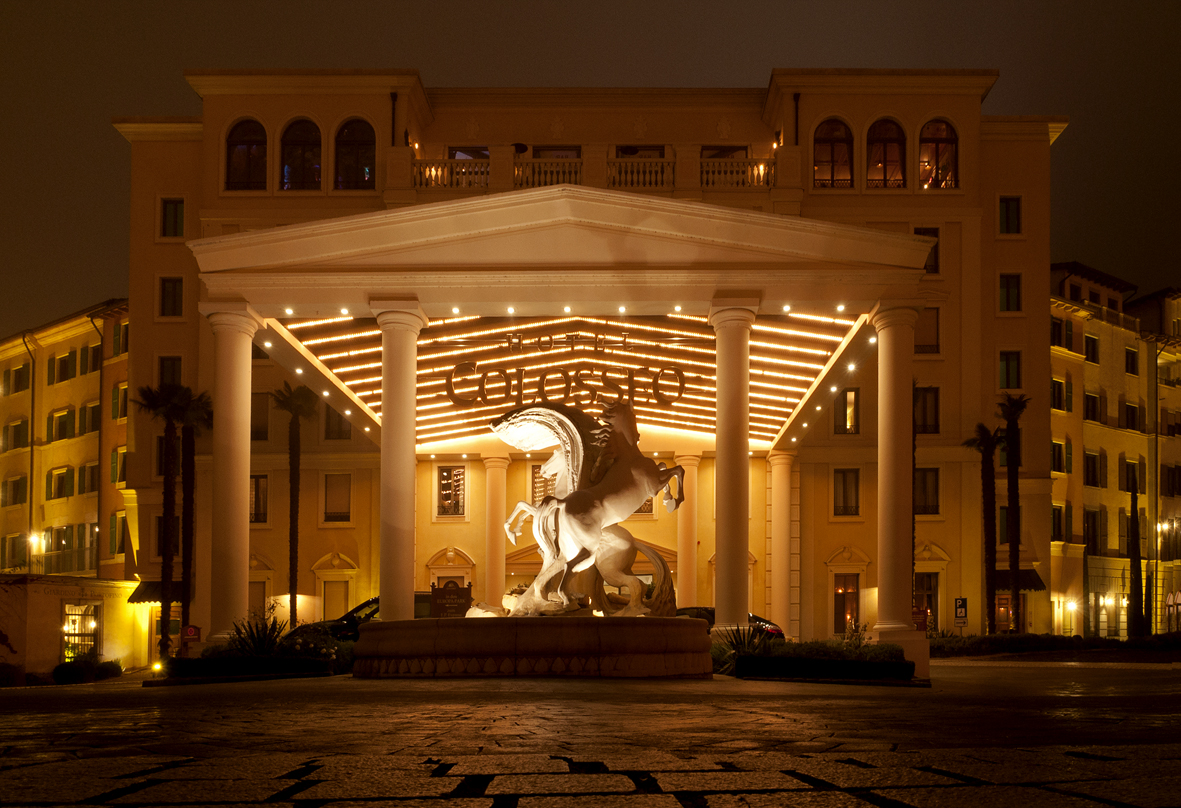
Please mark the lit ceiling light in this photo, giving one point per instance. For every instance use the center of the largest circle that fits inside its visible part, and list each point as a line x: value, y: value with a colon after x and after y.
x: 299, y: 370
x: 622, y: 309
x: 676, y: 308
x: 873, y: 340
x: 455, y: 309
x: 266, y: 345
x: 325, y: 393
x: 344, y: 311
x: 528, y: 454
x: 656, y: 454
x: 416, y: 144
x: 511, y: 310
x: 817, y: 406
x: 793, y: 440
x: 805, y: 426
x: 464, y: 456
x: 432, y: 457
x: 833, y: 388
x: 750, y: 454
x: 787, y: 308
x: 852, y: 367
x: 348, y: 412
x: 366, y: 429
x: 289, y: 311
x: 841, y: 307
x: 566, y: 309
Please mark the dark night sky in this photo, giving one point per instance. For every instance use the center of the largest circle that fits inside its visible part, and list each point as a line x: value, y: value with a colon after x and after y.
x: 67, y: 68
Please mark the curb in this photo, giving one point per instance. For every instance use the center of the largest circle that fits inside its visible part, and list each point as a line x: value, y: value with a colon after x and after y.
x: 182, y: 681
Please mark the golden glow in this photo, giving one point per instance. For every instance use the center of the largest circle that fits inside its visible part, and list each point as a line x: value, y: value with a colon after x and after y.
x: 817, y: 318
x: 313, y: 323
x: 289, y: 311
x: 299, y: 370
x: 266, y: 345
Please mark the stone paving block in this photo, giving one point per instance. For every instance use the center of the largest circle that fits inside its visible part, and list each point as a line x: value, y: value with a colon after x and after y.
x: 727, y: 781
x: 370, y: 786
x: 982, y: 797
x: 1146, y: 792
x: 470, y: 802
x: 844, y: 775
x: 90, y: 767
x: 598, y: 801
x: 787, y: 799
x: 505, y: 764
x: 650, y: 762
x: 1010, y: 773
x: 560, y: 784
x: 56, y: 789
x: 165, y: 792
x: 341, y: 765
x: 261, y: 767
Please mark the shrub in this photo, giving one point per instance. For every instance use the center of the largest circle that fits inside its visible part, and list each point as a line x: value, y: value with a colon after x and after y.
x: 258, y: 634
x: 86, y: 668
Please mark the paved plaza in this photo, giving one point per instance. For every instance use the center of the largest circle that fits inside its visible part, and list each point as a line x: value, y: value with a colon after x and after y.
x: 982, y: 735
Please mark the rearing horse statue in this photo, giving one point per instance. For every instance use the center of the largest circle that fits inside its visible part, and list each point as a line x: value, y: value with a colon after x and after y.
x: 602, y: 478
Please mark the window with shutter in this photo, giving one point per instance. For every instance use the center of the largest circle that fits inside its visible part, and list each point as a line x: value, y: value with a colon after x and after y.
x: 338, y: 497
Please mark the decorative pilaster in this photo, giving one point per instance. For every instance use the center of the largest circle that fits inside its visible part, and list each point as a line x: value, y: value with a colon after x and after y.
x: 687, y: 533
x: 400, y: 322
x: 781, y: 463
x: 732, y: 320
x: 496, y: 511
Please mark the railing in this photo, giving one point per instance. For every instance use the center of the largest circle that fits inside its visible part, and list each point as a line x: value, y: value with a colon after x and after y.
x: 540, y: 173
x: 337, y: 516
x: 743, y: 173
x: 846, y: 510
x: 642, y: 174
x: 59, y: 562
x: 452, y: 174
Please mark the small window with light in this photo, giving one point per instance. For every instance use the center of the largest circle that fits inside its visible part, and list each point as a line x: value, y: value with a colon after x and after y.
x: 847, y: 410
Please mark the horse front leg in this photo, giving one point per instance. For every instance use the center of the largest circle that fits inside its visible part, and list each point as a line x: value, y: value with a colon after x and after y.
x: 671, y: 503
x: 513, y: 527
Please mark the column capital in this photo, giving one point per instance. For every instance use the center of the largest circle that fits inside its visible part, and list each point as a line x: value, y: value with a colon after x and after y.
x: 734, y: 311
x: 496, y: 462
x: 780, y: 458
x: 687, y: 460
x: 399, y: 315
x: 234, y: 315
x: 899, y: 313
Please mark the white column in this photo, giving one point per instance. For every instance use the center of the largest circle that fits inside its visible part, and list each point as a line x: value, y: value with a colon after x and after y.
x: 895, y: 329
x: 229, y: 573
x: 400, y: 322
x: 732, y: 323
x: 781, y: 537
x: 687, y: 534
x: 496, y: 512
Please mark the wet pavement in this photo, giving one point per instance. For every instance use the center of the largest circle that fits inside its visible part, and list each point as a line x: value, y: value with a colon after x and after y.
x: 983, y: 735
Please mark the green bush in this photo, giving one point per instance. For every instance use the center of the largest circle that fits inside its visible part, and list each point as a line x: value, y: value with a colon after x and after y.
x: 257, y: 635
x: 86, y: 668
x: 836, y: 649
x: 983, y: 645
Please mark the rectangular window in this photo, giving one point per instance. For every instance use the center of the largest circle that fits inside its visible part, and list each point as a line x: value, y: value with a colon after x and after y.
x: 160, y: 456
x: 1057, y: 394
x: 88, y: 478
x: 119, y: 401
x: 258, y: 499
x: 926, y: 410
x: 16, y: 436
x: 336, y: 426
x: 171, y: 297
x: 62, y: 368
x: 926, y: 332
x: 119, y: 466
x: 1057, y: 333
x: 926, y: 491
x: 338, y: 497
x: 1091, y: 530
x: 1010, y: 215
x: 1010, y: 367
x: 1090, y: 407
x: 1132, y: 361
x: 14, y: 551
x: 122, y: 339
x: 16, y: 380
x: 170, y: 370
x: 1091, y: 469
x: 847, y: 410
x: 932, y: 265
x: 1058, y: 457
x: 1002, y: 524
x: 92, y: 358
x: 82, y: 630
x: 1010, y: 293
x: 1057, y: 524
x: 846, y: 492
x: 1131, y: 416
x: 723, y: 152
x: 61, y: 425
x: 557, y: 152
x: 639, y: 152
x: 467, y: 153
x: 1091, y: 349
x: 1076, y: 292
x: 59, y: 483
x: 158, y: 543
x: 118, y: 532
x: 14, y: 492
x: 926, y: 596
x: 90, y: 415
x: 1093, y: 297
x: 540, y: 486
x: 260, y: 416
x: 172, y: 218
x: 451, y: 491
x: 1113, y: 303
x: 844, y: 602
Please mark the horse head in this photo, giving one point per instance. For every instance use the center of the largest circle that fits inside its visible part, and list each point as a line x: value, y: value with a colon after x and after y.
x: 622, y: 421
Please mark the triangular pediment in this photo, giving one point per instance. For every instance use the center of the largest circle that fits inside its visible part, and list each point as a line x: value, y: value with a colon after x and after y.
x: 560, y: 226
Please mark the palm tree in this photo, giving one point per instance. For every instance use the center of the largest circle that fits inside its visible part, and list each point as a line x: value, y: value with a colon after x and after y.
x: 198, y: 415
x: 300, y: 403
x: 167, y: 402
x: 1137, y: 625
x: 985, y: 441
x: 1011, y: 410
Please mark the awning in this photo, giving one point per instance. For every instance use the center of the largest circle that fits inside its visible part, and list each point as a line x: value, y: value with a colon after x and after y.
x: 1027, y: 581
x: 149, y: 592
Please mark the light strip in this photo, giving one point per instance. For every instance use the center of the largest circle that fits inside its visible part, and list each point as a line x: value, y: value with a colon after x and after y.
x: 311, y: 323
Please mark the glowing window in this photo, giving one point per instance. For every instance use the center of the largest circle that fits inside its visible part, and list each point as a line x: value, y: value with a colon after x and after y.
x: 938, y: 156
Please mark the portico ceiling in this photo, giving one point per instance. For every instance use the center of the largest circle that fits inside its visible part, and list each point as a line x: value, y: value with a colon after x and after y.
x: 561, y: 261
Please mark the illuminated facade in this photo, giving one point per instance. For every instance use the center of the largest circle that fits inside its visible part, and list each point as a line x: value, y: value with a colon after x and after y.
x: 762, y: 272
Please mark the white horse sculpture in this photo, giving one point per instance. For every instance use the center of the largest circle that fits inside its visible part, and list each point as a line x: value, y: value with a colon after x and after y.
x: 602, y: 478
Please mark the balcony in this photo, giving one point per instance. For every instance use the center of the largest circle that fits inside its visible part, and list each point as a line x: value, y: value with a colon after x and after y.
x: 451, y: 174
x: 542, y: 173
x: 65, y: 562
x: 736, y: 174
x: 642, y: 175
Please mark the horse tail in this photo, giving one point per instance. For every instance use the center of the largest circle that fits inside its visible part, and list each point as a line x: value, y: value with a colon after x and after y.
x: 664, y: 596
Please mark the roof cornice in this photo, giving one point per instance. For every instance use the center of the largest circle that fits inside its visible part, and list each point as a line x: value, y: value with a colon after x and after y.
x: 134, y: 129
x: 1022, y: 127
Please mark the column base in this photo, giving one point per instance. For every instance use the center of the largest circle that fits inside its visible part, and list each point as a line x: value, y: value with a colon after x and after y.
x: 915, y: 647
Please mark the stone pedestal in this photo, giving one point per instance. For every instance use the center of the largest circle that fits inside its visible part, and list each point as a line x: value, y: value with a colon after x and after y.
x: 915, y: 646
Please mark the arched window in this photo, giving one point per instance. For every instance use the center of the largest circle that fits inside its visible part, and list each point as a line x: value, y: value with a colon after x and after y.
x: 832, y: 155
x: 355, y: 150
x: 938, y: 158
x: 885, y: 156
x: 301, y: 157
x: 246, y: 157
